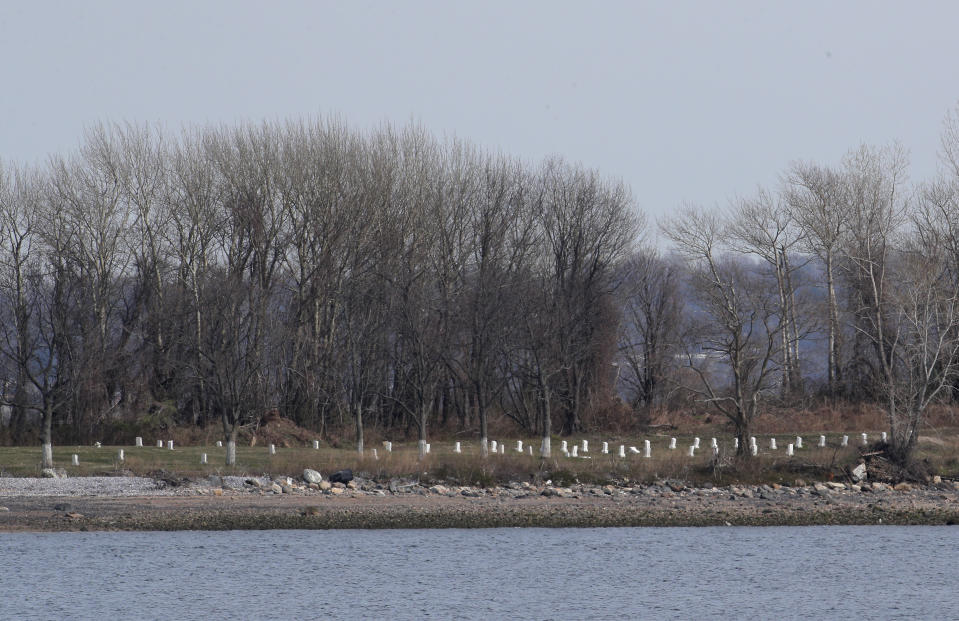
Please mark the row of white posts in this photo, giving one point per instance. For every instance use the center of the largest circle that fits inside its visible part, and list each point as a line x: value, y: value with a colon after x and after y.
x: 497, y: 447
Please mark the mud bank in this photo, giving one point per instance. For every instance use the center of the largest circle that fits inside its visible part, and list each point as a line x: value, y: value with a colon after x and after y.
x: 204, y: 507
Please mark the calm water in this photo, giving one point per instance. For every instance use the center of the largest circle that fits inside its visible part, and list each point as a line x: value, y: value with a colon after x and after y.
x: 657, y: 573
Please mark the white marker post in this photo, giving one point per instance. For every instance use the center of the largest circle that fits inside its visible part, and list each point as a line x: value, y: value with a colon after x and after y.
x: 76, y: 460
x: 822, y: 441
x: 456, y: 448
x: 736, y: 443
x: 622, y: 452
x: 316, y: 445
x: 138, y: 442
x: 202, y: 458
x: 492, y: 446
x: 219, y: 443
x: 375, y: 456
x: 428, y: 448
x: 389, y: 447
x: 692, y: 450
x: 696, y: 442
x: 865, y: 439
x: 519, y: 446
x: 575, y: 451
x: 755, y: 450
x: 169, y: 444
x: 772, y: 444
x: 159, y: 443
x: 845, y: 441
x: 585, y: 447
x: 672, y: 444
x: 789, y: 450
x: 713, y: 443
x: 120, y: 455
x: 563, y: 447
x: 798, y: 442
x: 883, y: 436
x: 529, y: 448
x: 272, y: 449
x: 647, y: 449
x: 634, y: 450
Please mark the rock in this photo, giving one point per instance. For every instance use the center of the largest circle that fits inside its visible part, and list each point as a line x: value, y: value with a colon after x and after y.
x: 472, y: 493
x: 902, y: 487
x: 549, y: 492
x: 859, y: 473
x: 49, y: 473
x: 63, y: 506
x: 325, y: 486
x: 351, y: 485
x: 286, y: 489
x: 312, y: 476
x: 878, y: 487
x: 608, y: 490
x: 936, y: 480
x: 341, y: 476
x: 439, y: 489
x: 2, y: 509
x: 336, y: 491
x: 253, y: 482
x: 276, y: 489
x: 74, y: 516
x: 836, y: 485
x: 218, y: 491
x: 799, y: 483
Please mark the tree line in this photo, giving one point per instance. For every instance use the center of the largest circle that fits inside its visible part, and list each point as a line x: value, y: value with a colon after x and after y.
x: 391, y: 280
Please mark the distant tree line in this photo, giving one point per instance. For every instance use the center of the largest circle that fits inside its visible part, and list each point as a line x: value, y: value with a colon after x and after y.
x: 390, y: 280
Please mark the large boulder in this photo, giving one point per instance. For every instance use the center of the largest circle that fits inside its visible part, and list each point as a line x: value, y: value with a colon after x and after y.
x: 859, y: 473
x: 312, y: 476
x: 341, y: 476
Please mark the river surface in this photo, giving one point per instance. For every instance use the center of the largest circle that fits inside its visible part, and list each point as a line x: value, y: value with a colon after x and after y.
x: 610, y: 573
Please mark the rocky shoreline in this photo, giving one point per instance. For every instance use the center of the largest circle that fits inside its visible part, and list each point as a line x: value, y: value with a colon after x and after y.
x: 227, y: 503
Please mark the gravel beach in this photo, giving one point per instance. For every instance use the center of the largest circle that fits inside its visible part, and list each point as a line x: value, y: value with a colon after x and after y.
x: 218, y: 503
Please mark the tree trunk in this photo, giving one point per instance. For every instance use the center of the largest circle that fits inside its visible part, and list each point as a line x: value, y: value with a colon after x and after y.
x: 484, y: 428
x: 231, y: 447
x: 47, y: 458
x: 545, y: 450
x: 834, y: 374
x: 422, y: 432
x: 358, y: 415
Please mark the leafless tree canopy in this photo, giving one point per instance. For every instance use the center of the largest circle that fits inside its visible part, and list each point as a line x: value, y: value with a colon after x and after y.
x: 388, y: 282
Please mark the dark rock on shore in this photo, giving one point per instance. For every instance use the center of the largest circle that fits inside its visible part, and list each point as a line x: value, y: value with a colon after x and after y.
x: 341, y: 476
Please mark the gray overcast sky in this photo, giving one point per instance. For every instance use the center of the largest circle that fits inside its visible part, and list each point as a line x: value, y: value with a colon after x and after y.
x: 686, y: 101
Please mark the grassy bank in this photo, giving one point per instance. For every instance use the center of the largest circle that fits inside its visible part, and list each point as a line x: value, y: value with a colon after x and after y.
x: 939, y: 450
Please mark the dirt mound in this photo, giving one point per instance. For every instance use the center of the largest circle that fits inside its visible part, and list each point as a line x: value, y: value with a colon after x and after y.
x: 274, y: 429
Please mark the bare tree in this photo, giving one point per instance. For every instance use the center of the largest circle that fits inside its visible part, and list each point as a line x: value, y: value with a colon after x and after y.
x: 816, y: 201
x: 649, y: 336
x: 762, y: 226
x: 736, y: 327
